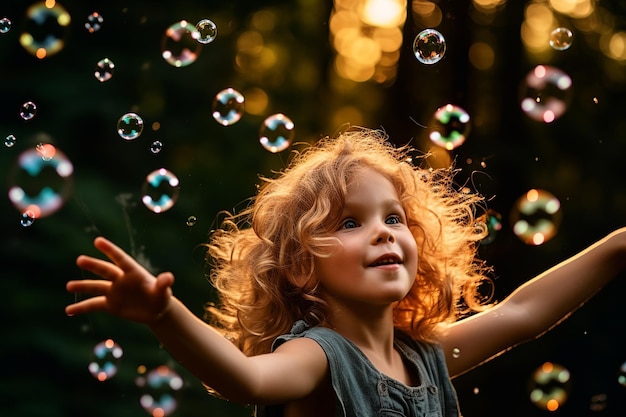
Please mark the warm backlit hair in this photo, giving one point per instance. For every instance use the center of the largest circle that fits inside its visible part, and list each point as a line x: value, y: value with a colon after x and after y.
x: 262, y: 260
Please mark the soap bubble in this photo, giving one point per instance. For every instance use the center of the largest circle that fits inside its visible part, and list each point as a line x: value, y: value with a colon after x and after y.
x: 41, y: 181
x: 429, y: 46
x: 5, y: 25
x: 104, y: 70
x: 207, y: 30
x: 191, y: 220
x: 536, y: 217
x: 28, y: 110
x: 94, y: 22
x: 493, y: 220
x: 10, y: 140
x: 549, y: 386
x: 106, y: 357
x: 156, y: 146
x: 45, y: 28
x: 450, y: 127
x: 130, y: 126
x: 561, y: 39
x: 179, y: 45
x: 159, y: 389
x: 228, y: 106
x: 28, y: 218
x: 277, y: 132
x: 546, y: 93
x: 160, y: 190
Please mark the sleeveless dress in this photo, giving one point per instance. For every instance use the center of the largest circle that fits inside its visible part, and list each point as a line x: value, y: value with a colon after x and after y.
x: 362, y: 391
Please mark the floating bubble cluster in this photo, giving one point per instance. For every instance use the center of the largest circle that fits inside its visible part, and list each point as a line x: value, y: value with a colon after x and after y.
x: 41, y: 181
x: 228, y: 106
x: 159, y: 388
x: 429, y: 46
x: 180, y: 44
x: 536, y: 217
x: 160, y: 190
x: 277, y: 133
x: 45, y: 29
x: 130, y: 126
x: 550, y: 386
x: 105, y: 362
x: 546, y: 93
x: 449, y: 127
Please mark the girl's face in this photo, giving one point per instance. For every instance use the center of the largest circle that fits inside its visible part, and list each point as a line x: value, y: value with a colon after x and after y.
x: 376, y: 261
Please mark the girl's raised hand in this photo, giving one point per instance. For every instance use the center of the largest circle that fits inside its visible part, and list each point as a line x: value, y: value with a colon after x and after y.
x: 126, y: 289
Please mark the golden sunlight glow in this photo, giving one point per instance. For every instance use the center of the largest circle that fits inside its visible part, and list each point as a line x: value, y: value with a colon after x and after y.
x: 384, y: 13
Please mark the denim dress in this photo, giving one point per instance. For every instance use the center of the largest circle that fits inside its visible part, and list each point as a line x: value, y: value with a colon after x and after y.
x: 362, y: 391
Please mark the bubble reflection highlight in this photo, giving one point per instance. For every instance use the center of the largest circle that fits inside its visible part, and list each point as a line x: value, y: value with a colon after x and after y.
x: 228, y: 106
x: 160, y: 190
x: 277, y: 133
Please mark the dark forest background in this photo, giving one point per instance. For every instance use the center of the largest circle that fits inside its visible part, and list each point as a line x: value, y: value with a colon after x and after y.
x: 579, y: 158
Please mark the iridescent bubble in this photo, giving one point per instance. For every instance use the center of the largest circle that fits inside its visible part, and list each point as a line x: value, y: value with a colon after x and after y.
x: 207, y: 30
x: 106, y: 358
x: 41, y: 181
x: 160, y: 190
x: 10, y: 140
x: 598, y: 402
x: 277, y: 133
x: 104, y: 70
x: 94, y: 22
x: 228, y: 106
x: 5, y: 25
x: 180, y: 46
x: 621, y: 378
x: 191, y: 221
x: 456, y: 353
x: 160, y: 388
x: 28, y: 218
x: 549, y: 386
x: 28, y: 110
x: 449, y: 127
x: 156, y: 146
x: 561, y: 39
x: 429, y: 46
x: 130, y: 126
x: 45, y: 29
x: 493, y: 220
x: 546, y: 93
x: 536, y: 217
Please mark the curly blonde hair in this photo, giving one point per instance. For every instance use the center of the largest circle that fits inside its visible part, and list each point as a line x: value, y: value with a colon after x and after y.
x: 262, y: 259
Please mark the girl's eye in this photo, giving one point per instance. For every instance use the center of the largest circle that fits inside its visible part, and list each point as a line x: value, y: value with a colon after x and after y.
x: 348, y: 224
x: 393, y: 219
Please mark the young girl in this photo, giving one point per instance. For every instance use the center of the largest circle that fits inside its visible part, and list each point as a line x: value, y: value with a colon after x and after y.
x: 341, y: 289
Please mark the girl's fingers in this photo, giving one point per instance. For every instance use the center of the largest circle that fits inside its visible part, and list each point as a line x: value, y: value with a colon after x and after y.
x: 115, y: 253
x: 99, y: 267
x: 86, y: 306
x: 88, y: 286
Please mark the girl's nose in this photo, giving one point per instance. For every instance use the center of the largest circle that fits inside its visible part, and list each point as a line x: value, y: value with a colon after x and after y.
x: 384, y: 235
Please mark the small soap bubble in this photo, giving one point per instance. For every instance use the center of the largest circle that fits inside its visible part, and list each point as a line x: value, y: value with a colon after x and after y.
x: 28, y: 218
x: 5, y: 25
x: 94, y: 22
x: 104, y: 70
x: 105, y: 361
x: 156, y: 146
x: 429, y: 46
x: 10, y: 140
x: 546, y: 93
x: 456, y: 353
x: 45, y: 29
x: 549, y: 386
x: 228, y: 106
x: 561, y: 39
x: 493, y: 220
x: 191, y: 221
x: 536, y: 217
x: 207, y: 30
x: 28, y: 110
x: 41, y: 180
x: 159, y: 390
x: 277, y: 133
x: 130, y: 126
x: 621, y: 378
x: 598, y: 402
x: 449, y: 127
x: 179, y: 45
x: 160, y: 190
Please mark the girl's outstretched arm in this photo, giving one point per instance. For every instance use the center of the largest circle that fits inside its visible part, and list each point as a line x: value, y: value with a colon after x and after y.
x: 536, y: 306
x: 128, y: 290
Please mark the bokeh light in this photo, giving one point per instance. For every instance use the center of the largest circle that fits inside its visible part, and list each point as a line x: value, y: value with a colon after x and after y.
x: 106, y: 358
x: 179, y: 45
x: 536, y: 217
x: 228, y: 106
x: 546, y: 93
x: 45, y: 29
x: 41, y: 181
x: 277, y: 133
x: 159, y: 390
x: 449, y: 127
x: 429, y: 46
x: 130, y: 126
x: 160, y: 190
x: 550, y: 386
